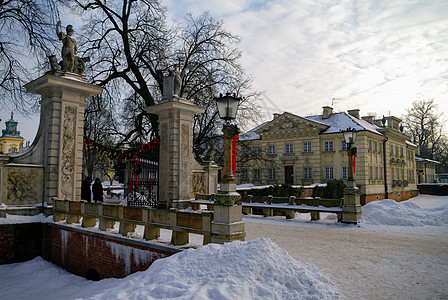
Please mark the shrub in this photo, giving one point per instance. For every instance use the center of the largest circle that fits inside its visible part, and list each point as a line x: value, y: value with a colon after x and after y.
x: 284, y: 190
x: 333, y: 190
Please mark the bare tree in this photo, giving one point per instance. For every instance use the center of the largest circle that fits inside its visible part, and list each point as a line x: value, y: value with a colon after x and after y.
x: 98, y: 125
x: 27, y: 37
x: 132, y: 45
x: 425, y: 125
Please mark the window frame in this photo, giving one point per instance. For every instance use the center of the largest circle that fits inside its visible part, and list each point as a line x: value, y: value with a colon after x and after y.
x: 289, y: 148
x: 329, y: 173
x: 307, y: 173
x: 344, y: 172
x: 328, y: 146
x: 307, y: 149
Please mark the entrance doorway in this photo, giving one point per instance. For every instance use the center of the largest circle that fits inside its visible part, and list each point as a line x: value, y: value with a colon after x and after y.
x: 289, y: 175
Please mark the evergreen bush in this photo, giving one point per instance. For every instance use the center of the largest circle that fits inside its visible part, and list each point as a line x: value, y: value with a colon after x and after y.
x: 333, y: 190
x: 283, y: 190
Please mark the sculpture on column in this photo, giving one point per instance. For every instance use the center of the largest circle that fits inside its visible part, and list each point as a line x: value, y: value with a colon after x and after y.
x: 70, y: 62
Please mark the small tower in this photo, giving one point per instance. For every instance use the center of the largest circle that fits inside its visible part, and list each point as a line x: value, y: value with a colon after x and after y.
x: 10, y: 141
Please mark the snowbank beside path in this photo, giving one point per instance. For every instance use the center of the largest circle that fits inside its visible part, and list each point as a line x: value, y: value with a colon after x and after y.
x: 16, y: 219
x: 407, y: 213
x: 258, y: 269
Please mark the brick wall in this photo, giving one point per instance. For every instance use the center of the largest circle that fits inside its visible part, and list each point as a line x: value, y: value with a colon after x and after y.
x: 395, y: 196
x: 20, y: 242
x: 91, y: 254
x: 78, y: 251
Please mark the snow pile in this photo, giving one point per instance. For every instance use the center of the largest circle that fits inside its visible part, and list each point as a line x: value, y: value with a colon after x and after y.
x: 257, y: 269
x: 390, y: 212
x: 17, y: 219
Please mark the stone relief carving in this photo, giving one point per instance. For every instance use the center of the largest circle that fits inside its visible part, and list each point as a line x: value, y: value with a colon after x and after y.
x: 22, y: 187
x: 198, y: 183
x: 163, y: 129
x: 185, y: 143
x: 287, y: 125
x: 68, y: 152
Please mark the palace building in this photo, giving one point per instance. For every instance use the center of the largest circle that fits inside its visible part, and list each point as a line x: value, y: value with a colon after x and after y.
x: 10, y: 141
x: 304, y: 150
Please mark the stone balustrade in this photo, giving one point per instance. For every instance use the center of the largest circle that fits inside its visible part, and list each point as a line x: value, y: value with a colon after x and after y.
x: 182, y: 223
x: 271, y: 206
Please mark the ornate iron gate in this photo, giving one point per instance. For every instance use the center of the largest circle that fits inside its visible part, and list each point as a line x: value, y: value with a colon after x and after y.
x: 142, y: 177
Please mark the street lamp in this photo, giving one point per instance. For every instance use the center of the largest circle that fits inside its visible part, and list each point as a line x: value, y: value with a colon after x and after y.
x: 349, y: 138
x: 227, y: 106
x: 227, y: 109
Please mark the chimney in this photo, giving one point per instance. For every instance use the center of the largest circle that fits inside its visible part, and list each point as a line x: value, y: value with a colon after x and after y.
x: 354, y: 113
x: 368, y: 119
x: 276, y: 115
x: 328, y: 111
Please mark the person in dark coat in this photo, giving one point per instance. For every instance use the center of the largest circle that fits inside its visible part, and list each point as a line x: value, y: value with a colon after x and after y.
x: 97, y: 190
x: 86, y: 193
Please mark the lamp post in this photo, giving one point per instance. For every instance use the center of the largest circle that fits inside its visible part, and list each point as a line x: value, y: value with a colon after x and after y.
x: 351, y: 208
x: 349, y: 138
x: 227, y: 223
x: 227, y: 109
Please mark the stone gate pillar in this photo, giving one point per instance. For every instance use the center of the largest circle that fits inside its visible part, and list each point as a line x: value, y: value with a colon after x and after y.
x: 176, y: 150
x: 59, y: 140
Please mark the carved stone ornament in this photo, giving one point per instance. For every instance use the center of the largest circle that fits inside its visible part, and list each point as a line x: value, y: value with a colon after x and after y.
x: 287, y: 125
x: 68, y: 152
x: 199, y: 183
x: 22, y: 187
x: 185, y: 145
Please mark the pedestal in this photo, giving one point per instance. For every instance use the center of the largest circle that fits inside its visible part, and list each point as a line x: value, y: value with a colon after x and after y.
x: 351, y: 210
x: 227, y: 224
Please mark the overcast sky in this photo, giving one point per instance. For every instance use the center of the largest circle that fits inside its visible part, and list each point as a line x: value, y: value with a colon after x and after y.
x: 374, y: 55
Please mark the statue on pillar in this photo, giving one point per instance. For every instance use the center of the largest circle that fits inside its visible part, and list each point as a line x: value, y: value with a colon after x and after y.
x: 172, y: 84
x: 70, y: 62
x: 177, y: 82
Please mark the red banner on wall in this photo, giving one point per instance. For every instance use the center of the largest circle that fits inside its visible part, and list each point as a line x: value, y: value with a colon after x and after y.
x: 354, y: 162
x: 234, y: 139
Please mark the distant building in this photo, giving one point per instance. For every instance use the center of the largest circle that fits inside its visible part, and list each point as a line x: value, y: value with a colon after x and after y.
x: 305, y: 150
x: 426, y: 170
x: 10, y: 141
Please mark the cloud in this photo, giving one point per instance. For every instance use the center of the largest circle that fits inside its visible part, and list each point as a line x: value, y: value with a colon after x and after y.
x: 374, y: 55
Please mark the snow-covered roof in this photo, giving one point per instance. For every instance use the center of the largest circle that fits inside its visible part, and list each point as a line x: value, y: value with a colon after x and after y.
x: 411, y: 144
x: 341, y: 121
x: 251, y: 135
x: 418, y: 158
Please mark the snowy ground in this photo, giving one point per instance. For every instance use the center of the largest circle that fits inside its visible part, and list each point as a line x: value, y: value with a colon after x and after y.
x: 398, y: 251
